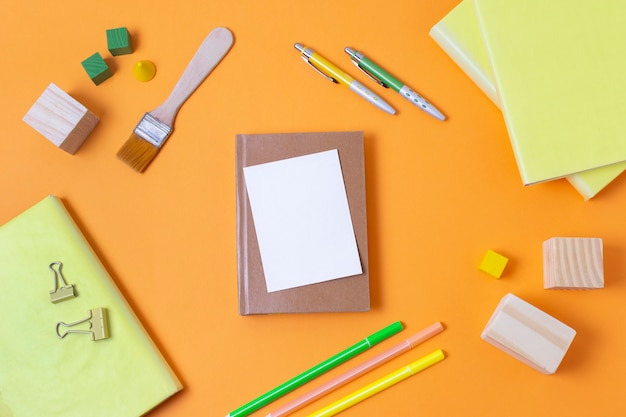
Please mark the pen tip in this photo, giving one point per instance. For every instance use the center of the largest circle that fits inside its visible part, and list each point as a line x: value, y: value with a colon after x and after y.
x: 349, y: 51
x: 299, y: 47
x: 435, y: 113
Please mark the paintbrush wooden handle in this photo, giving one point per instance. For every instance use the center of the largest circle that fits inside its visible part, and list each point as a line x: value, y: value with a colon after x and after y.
x: 208, y: 55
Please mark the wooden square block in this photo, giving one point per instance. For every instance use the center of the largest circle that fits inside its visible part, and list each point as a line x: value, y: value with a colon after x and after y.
x: 493, y: 263
x: 118, y: 41
x: 528, y: 334
x: 61, y: 119
x: 573, y: 263
x: 97, y: 68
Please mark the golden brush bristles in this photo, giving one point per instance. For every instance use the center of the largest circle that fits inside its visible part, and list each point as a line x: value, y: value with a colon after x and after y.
x: 137, y: 153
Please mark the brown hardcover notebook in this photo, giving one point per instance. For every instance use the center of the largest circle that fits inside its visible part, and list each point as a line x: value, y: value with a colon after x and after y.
x: 348, y: 294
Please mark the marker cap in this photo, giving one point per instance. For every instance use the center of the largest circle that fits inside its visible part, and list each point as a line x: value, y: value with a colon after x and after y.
x: 385, y: 333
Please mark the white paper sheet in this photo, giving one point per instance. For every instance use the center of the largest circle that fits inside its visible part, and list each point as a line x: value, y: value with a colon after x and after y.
x: 302, y: 220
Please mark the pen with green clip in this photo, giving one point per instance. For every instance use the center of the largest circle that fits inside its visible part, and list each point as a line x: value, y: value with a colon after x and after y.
x: 317, y: 370
x: 385, y: 79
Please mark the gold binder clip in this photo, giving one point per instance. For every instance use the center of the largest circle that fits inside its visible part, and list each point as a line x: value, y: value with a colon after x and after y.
x: 98, y: 325
x: 63, y: 293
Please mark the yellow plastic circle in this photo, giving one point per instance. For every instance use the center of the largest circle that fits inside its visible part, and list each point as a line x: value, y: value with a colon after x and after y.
x: 144, y: 70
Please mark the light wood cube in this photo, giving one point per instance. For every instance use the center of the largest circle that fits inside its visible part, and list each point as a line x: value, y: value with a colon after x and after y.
x: 61, y: 119
x: 528, y: 334
x: 573, y: 263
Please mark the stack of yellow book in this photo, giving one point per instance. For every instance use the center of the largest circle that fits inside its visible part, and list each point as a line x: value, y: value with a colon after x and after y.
x: 556, y: 71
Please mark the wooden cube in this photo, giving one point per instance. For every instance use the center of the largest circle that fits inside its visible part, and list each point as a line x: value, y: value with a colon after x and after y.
x: 573, y: 263
x: 493, y: 263
x: 118, y: 41
x: 61, y: 119
x: 97, y: 68
x: 528, y: 334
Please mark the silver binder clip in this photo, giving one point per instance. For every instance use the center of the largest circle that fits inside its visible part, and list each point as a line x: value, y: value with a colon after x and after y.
x: 63, y: 293
x: 98, y: 325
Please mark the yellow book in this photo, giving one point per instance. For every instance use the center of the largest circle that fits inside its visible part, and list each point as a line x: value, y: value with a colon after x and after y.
x: 458, y: 34
x: 559, y: 69
x: 122, y: 375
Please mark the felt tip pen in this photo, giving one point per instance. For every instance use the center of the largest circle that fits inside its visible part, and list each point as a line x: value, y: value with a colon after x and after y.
x: 385, y: 79
x: 317, y: 370
x: 336, y: 75
x: 358, y: 370
x: 380, y: 384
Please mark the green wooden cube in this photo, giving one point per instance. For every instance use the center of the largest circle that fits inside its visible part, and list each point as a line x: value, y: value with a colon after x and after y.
x: 97, y: 68
x: 118, y: 41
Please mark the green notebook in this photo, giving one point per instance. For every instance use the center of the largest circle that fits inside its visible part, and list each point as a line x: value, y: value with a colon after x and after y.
x: 458, y: 34
x: 123, y: 375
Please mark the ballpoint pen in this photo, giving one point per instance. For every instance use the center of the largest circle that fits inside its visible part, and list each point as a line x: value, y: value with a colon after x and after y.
x: 336, y: 75
x: 385, y: 79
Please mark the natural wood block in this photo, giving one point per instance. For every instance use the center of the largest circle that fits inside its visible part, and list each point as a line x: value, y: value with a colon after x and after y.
x: 573, y: 263
x: 97, y: 68
x: 118, y: 41
x: 528, y: 334
x: 493, y: 263
x: 61, y: 119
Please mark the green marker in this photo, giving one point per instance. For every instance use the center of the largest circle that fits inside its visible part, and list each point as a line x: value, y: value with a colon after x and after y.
x: 382, y: 77
x: 317, y: 370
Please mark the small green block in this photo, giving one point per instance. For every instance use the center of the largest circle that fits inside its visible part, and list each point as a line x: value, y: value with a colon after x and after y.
x: 493, y: 263
x: 96, y: 68
x: 118, y: 41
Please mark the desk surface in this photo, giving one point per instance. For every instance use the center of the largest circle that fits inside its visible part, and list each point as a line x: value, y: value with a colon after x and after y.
x: 438, y: 196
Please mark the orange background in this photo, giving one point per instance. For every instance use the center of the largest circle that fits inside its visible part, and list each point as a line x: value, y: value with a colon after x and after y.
x: 439, y: 195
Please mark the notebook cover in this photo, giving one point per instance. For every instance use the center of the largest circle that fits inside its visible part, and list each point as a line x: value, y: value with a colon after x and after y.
x: 458, y: 34
x: 558, y: 68
x: 42, y: 375
x: 350, y: 294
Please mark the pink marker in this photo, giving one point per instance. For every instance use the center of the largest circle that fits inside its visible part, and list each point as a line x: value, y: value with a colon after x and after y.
x: 359, y: 370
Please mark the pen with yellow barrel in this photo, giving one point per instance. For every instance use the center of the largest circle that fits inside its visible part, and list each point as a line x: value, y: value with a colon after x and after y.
x: 336, y: 75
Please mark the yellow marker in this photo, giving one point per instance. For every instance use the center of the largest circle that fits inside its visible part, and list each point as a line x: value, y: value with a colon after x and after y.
x: 379, y: 385
x: 144, y: 71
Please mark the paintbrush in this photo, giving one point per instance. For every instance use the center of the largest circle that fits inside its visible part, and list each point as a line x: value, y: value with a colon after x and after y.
x: 157, y: 125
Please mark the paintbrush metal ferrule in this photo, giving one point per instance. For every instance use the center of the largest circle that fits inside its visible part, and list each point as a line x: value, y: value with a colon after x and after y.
x: 153, y: 130
x: 156, y: 126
